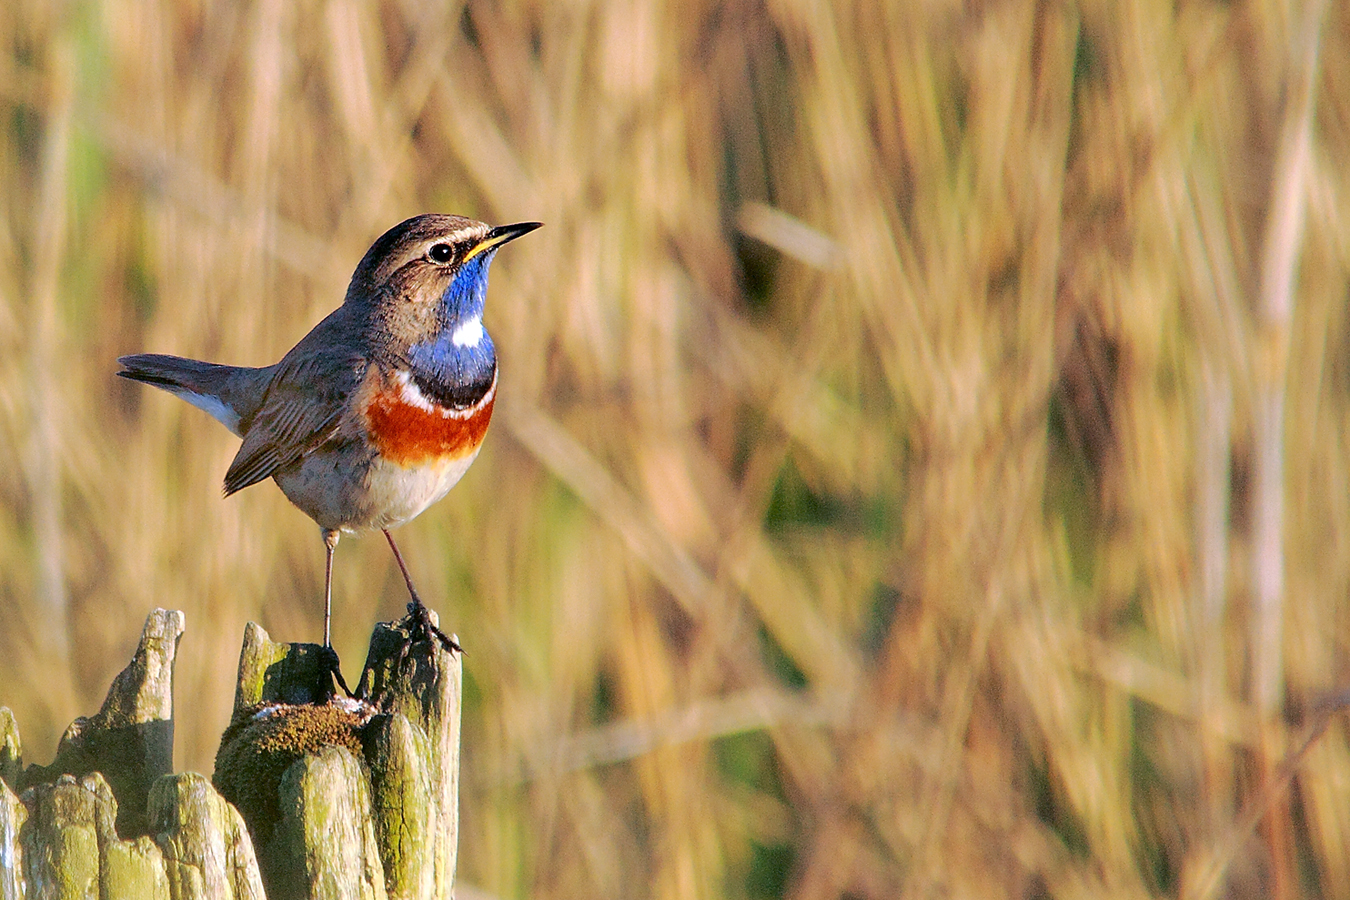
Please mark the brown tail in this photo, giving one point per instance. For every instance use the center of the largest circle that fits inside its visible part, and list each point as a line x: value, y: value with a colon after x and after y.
x: 231, y: 394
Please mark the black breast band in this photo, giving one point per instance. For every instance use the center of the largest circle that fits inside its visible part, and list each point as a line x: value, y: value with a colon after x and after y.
x: 456, y: 392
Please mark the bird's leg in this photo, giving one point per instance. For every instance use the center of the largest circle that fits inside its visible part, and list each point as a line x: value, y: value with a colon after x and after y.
x: 417, y: 610
x: 330, y: 542
x: 402, y: 567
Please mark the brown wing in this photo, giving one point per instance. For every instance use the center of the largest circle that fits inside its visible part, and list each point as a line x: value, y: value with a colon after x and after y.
x: 303, y: 407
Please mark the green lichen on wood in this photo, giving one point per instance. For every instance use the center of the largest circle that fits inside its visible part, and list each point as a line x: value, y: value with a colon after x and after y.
x: 13, y: 815
x: 326, y: 801
x: 275, y: 672
x: 60, y: 840
x: 422, y: 681
x: 206, y: 847
x: 278, y: 672
x: 344, y: 798
x: 70, y: 846
x: 263, y: 741
x: 259, y: 654
x: 11, y: 749
x: 403, y: 801
x: 133, y: 869
x: 130, y: 738
x: 402, y: 739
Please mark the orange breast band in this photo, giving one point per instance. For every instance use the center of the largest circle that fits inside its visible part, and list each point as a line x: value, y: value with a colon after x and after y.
x: 410, y: 430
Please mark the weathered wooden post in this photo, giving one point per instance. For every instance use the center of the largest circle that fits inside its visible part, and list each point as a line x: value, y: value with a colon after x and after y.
x: 310, y: 798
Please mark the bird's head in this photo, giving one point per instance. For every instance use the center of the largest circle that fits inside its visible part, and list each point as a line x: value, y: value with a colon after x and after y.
x: 425, y: 279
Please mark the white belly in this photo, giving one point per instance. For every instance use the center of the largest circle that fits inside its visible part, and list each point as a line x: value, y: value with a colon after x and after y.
x: 378, y: 494
x: 396, y: 495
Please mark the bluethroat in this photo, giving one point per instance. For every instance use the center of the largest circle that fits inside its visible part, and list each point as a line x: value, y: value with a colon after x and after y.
x: 381, y: 408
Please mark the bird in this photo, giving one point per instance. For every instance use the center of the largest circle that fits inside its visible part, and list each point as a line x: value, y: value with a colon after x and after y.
x: 381, y: 408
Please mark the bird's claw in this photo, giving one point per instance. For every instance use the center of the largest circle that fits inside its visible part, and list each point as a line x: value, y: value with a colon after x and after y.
x: 423, y: 628
x: 333, y: 666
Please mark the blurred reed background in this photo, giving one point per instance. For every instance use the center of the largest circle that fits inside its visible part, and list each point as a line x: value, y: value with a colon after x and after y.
x: 921, y: 464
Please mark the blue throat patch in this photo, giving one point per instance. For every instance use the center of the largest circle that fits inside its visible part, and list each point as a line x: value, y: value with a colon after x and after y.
x: 458, y: 376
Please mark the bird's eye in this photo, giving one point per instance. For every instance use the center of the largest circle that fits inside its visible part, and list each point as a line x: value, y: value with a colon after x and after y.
x: 441, y: 253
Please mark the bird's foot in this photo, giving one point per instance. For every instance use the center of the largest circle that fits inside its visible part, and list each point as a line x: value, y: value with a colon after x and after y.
x: 422, y: 628
x: 333, y: 666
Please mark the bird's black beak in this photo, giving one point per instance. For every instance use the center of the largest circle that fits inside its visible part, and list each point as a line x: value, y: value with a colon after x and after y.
x: 500, y: 235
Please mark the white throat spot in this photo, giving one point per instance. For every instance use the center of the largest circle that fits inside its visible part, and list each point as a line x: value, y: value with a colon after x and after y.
x: 468, y: 334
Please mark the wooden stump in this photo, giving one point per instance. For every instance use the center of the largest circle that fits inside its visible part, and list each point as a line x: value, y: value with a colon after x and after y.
x: 311, y: 798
